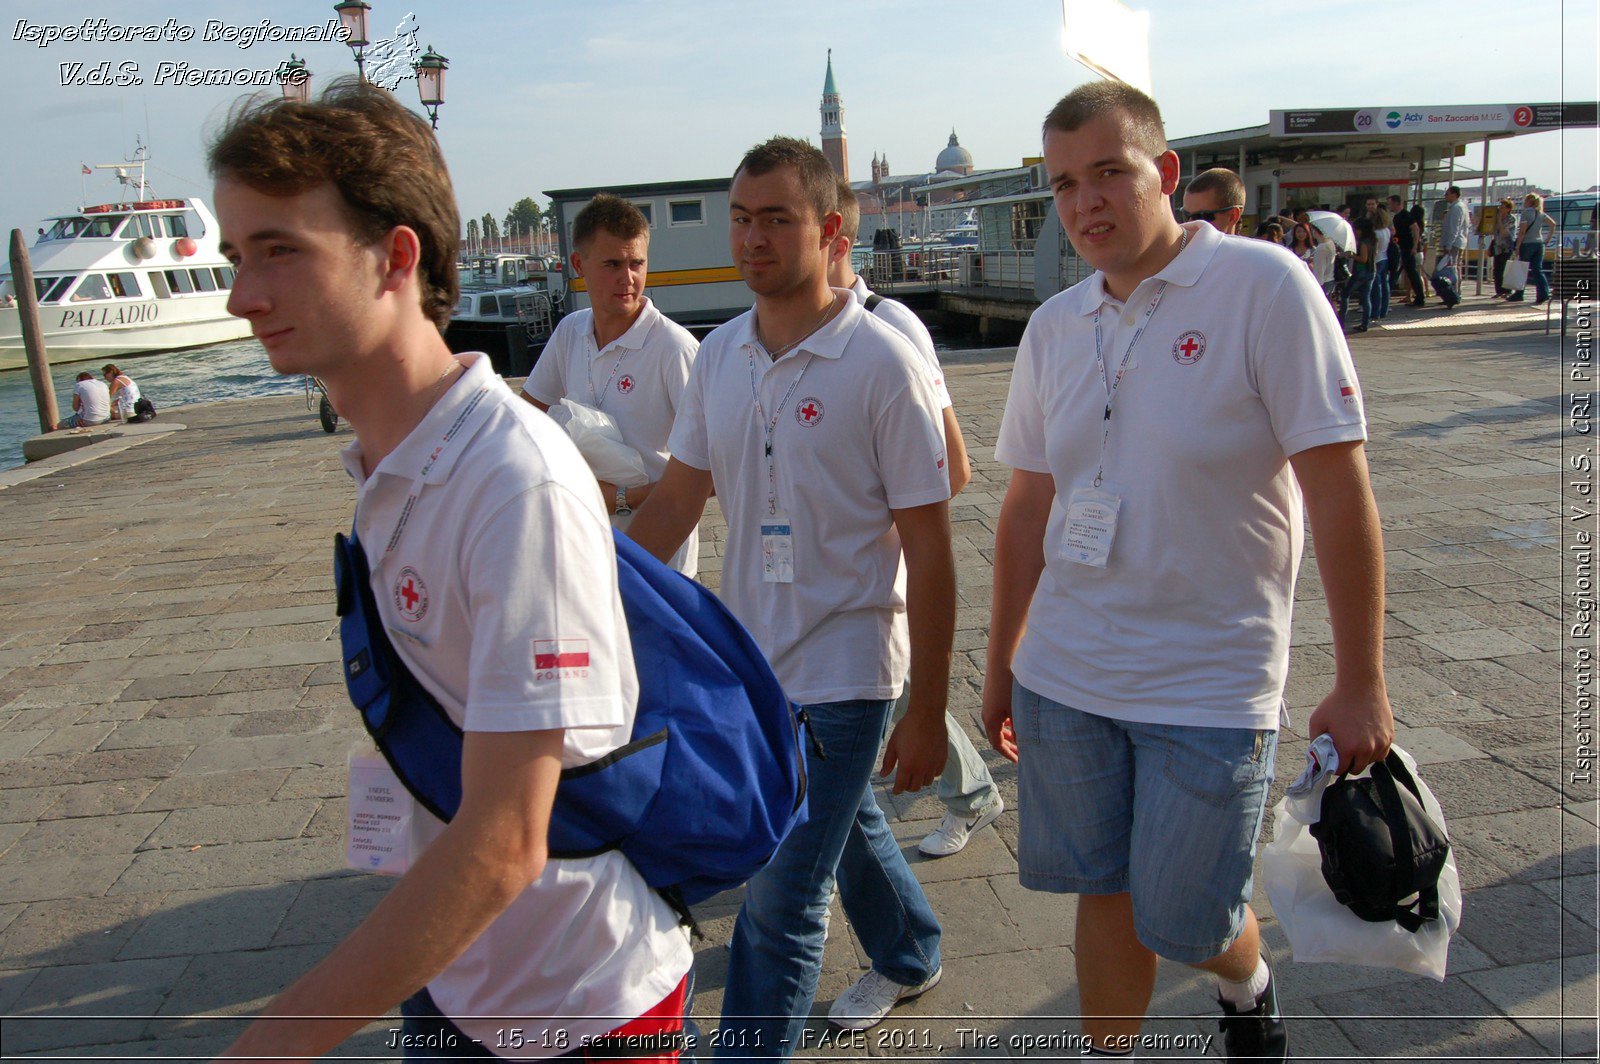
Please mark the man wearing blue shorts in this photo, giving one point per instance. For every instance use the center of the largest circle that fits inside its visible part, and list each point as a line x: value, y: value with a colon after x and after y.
x: 1168, y: 417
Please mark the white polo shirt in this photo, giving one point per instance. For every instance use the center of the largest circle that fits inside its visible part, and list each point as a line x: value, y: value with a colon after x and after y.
x: 500, y: 594
x: 910, y: 326
x: 637, y: 379
x: 1242, y: 365
x: 857, y: 433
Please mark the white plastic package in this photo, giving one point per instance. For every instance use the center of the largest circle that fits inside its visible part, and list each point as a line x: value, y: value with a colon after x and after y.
x: 1322, y: 931
x: 599, y: 440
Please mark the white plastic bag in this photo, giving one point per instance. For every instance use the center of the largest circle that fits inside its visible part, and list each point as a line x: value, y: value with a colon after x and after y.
x: 599, y: 440
x: 1516, y: 276
x: 1320, y: 930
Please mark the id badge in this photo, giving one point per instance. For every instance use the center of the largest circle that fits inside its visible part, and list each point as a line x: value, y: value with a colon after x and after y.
x: 378, y: 826
x: 777, y: 550
x: 1091, y: 526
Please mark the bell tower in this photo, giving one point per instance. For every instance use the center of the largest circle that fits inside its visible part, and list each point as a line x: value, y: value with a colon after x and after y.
x: 833, y: 135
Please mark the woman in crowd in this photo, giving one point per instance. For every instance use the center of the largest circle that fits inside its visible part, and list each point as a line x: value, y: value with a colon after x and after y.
x: 1530, y: 247
x: 124, y: 393
x: 1301, y: 244
x: 1505, y: 242
x: 1383, y: 231
x: 1360, y: 283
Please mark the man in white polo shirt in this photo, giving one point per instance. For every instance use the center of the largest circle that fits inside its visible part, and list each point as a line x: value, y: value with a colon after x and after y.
x: 622, y: 355
x: 1167, y: 417
x: 816, y: 425
x: 486, y: 537
x: 967, y: 791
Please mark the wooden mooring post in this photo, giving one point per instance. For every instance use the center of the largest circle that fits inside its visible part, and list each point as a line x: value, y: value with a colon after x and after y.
x: 44, y: 390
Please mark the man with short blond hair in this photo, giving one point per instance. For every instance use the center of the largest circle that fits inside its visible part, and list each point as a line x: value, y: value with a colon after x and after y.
x: 1215, y: 196
x: 620, y: 355
x: 1191, y: 387
x: 817, y: 426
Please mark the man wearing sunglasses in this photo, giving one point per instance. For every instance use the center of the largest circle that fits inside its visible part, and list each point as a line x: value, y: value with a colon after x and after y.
x: 1215, y: 196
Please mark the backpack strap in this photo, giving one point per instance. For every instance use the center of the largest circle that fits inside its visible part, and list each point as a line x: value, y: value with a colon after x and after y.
x: 872, y: 302
x: 1384, y: 776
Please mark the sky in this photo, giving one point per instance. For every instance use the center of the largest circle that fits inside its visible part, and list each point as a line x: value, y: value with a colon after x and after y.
x: 565, y: 93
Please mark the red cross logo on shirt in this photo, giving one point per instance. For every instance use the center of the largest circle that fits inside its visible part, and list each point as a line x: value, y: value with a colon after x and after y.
x: 809, y: 412
x: 410, y: 595
x: 1188, y: 348
x: 625, y: 384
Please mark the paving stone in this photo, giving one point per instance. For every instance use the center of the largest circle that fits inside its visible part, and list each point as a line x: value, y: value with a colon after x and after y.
x: 329, y: 908
x: 237, y: 982
x: 198, y: 922
x: 1369, y: 1019
x: 155, y: 732
x: 161, y: 687
x: 79, y: 931
x: 1473, y: 788
x: 234, y: 865
x: 26, y: 804
x: 263, y: 679
x: 1433, y: 746
x: 99, y: 799
x: 129, y: 764
x: 1475, y: 643
x: 131, y: 989
x: 233, y: 823
x: 1535, y: 992
x: 260, y: 657
x: 19, y: 744
x: 1516, y: 924
x: 332, y: 782
x: 267, y: 751
x: 215, y: 789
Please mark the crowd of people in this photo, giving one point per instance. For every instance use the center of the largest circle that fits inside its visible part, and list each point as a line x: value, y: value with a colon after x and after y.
x: 1138, y: 643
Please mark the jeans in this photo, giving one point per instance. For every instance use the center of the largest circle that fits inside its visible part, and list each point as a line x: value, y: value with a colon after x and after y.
x: 1380, y: 291
x: 1533, y: 255
x: 1500, y: 260
x: 965, y: 786
x: 1360, y: 284
x: 777, y: 944
x: 1408, y: 263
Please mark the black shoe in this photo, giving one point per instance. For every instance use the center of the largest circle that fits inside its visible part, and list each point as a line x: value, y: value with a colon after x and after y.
x: 1258, y: 1033
x: 1515, y: 297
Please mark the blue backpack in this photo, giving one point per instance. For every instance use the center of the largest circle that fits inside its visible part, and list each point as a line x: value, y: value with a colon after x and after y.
x: 712, y: 781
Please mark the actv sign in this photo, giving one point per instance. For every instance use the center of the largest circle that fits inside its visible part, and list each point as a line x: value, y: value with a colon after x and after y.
x: 1487, y: 118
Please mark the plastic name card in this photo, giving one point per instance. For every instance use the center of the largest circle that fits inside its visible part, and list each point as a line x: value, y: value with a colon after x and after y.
x: 378, y: 828
x: 777, y: 551
x: 1091, y: 526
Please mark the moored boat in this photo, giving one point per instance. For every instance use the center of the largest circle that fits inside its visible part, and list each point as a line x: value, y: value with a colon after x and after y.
x: 125, y: 278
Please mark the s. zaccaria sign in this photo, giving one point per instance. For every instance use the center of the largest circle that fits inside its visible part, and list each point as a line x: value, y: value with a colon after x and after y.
x: 1488, y: 118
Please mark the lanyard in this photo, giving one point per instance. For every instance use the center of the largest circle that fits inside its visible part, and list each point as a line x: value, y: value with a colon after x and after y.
x: 433, y: 459
x: 1114, y: 383
x: 588, y: 373
x: 769, y: 425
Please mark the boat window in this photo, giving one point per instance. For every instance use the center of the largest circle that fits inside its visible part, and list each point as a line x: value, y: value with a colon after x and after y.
x: 92, y: 287
x: 224, y: 276
x: 179, y: 280
x: 176, y: 224
x: 645, y: 209
x: 203, y: 281
x: 65, y: 229
x: 49, y: 289
x: 489, y: 306
x: 464, y: 305
x: 686, y: 212
x: 125, y: 286
x: 103, y: 225
x: 158, y: 281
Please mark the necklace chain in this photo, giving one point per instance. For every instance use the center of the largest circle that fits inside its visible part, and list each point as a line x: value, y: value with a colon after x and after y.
x: 791, y: 345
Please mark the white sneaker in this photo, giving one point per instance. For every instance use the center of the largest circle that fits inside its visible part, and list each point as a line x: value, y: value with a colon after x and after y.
x: 953, y: 832
x: 868, y: 1002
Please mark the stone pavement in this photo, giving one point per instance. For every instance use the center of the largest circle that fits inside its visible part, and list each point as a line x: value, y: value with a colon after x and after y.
x: 173, y: 732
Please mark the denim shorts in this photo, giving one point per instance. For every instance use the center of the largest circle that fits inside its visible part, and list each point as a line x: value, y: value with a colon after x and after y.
x: 1165, y: 813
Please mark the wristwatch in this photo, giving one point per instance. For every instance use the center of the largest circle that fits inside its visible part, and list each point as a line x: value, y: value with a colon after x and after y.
x: 623, y: 509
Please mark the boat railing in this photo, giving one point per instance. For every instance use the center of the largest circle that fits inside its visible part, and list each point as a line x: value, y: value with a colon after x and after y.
x: 536, y: 314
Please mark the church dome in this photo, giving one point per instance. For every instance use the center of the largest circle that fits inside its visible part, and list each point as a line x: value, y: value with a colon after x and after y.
x: 954, y: 157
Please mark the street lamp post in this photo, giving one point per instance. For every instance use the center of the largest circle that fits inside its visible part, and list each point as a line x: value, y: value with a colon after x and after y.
x: 353, y: 17
x: 430, y: 82
x: 295, y: 79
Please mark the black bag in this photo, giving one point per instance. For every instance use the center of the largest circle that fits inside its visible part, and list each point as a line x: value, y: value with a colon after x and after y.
x: 1381, y: 851
x: 143, y: 410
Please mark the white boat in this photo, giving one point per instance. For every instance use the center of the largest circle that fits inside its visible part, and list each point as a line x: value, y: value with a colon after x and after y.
x: 125, y: 278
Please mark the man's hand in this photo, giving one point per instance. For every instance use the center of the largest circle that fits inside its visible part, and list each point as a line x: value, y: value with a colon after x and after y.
x: 997, y: 723
x: 1360, y: 722
x: 916, y: 751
